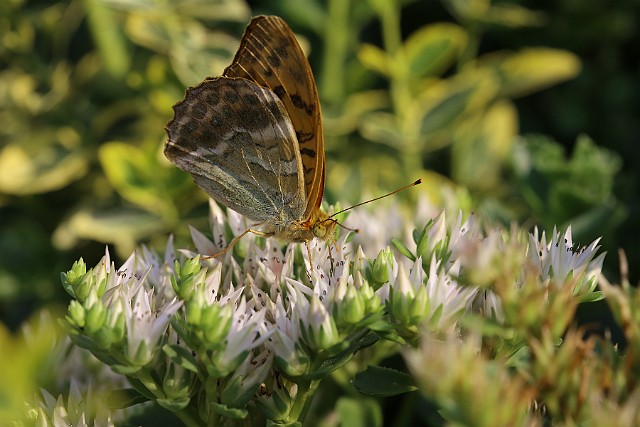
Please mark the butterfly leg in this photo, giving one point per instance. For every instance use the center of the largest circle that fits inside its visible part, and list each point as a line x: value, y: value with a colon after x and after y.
x: 332, y: 268
x: 306, y: 243
x: 234, y: 241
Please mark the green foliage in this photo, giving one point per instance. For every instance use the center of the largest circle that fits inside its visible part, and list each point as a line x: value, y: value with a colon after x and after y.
x: 577, y: 191
x: 83, y: 107
x: 378, y: 381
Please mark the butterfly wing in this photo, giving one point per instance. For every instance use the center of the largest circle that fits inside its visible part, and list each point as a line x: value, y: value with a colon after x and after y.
x: 236, y: 139
x: 270, y: 55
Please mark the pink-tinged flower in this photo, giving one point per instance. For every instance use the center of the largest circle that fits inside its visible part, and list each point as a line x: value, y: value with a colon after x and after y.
x: 558, y: 261
x: 248, y: 331
x: 436, y: 300
x: 287, y: 344
x: 146, y: 324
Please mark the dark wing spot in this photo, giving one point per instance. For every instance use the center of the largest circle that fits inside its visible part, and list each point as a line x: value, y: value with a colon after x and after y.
x: 198, y: 110
x: 232, y: 97
x: 279, y: 91
x: 297, y: 102
x: 283, y: 48
x: 304, y: 137
x: 274, y: 60
x: 308, y: 152
x: 212, y: 99
x: 251, y: 99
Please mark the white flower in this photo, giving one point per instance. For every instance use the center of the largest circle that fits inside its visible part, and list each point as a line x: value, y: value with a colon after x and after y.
x: 445, y: 293
x: 248, y: 331
x: 146, y: 325
x: 79, y: 411
x: 558, y: 261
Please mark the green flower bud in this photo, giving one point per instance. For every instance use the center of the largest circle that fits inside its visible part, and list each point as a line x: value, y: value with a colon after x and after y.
x: 176, y: 383
x: 141, y: 356
x: 114, y: 327
x: 74, y: 278
x: 216, y: 322
x: 322, y: 332
x: 372, y: 302
x: 187, y: 278
x: 96, y: 317
x: 276, y: 404
x: 296, y: 363
x: 351, y: 309
x: 77, y: 314
x: 380, y: 267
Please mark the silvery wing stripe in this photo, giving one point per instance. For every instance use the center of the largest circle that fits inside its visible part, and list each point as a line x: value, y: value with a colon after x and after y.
x: 270, y: 55
x: 237, y: 141
x: 269, y: 155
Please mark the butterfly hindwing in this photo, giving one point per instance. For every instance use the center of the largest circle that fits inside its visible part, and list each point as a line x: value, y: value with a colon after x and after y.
x: 270, y: 55
x: 236, y: 139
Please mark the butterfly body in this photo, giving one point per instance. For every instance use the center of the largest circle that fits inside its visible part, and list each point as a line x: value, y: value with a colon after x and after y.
x: 252, y: 138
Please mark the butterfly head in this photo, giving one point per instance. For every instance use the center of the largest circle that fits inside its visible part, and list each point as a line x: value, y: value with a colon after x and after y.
x: 322, y: 225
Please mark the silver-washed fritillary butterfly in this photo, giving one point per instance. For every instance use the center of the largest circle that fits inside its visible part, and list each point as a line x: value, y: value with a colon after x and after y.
x: 252, y: 139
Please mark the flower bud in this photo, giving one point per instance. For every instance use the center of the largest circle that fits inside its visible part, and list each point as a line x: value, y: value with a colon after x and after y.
x: 321, y: 332
x: 351, y: 309
x: 96, y: 315
x: 73, y: 280
x: 77, y: 314
x: 380, y: 267
x: 187, y: 277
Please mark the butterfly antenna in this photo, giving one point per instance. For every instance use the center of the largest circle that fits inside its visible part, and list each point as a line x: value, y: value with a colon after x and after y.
x: 413, y: 184
x: 355, y: 230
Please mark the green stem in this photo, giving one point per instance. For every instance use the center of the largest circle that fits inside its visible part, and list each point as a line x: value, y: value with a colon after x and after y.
x: 336, y: 35
x: 306, y: 393
x: 108, y: 37
x: 189, y: 416
x: 400, y: 87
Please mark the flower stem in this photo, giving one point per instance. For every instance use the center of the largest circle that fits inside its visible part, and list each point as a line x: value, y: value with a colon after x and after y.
x: 306, y: 392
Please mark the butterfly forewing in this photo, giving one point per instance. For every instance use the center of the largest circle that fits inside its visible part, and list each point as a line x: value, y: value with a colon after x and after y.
x: 237, y: 141
x: 270, y: 55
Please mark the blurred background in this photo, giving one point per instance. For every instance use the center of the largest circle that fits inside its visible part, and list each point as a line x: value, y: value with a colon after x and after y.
x: 522, y: 111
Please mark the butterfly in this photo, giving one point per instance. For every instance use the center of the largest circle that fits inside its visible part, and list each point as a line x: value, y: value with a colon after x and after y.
x: 252, y: 139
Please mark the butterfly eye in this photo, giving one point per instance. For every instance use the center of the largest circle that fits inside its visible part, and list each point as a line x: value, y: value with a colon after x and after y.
x: 320, y: 230
x: 324, y: 228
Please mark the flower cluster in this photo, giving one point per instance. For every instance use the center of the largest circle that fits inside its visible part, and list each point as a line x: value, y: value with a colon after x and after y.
x: 205, y: 337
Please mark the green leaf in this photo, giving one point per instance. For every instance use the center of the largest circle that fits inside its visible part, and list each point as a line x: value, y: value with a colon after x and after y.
x: 333, y: 363
x: 530, y: 70
x: 181, y: 356
x: 375, y: 59
x: 382, y: 127
x: 125, y: 369
x: 174, y: 405
x: 578, y: 190
x: 433, y: 49
x: 445, y: 103
x: 122, y: 227
x: 591, y: 297
x: 482, y: 13
x: 232, y: 413
x: 482, y: 144
x: 379, y: 381
x: 124, y: 398
x: 51, y: 167
x: 403, y: 249
x: 359, y: 412
x: 134, y: 173
x: 422, y: 243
